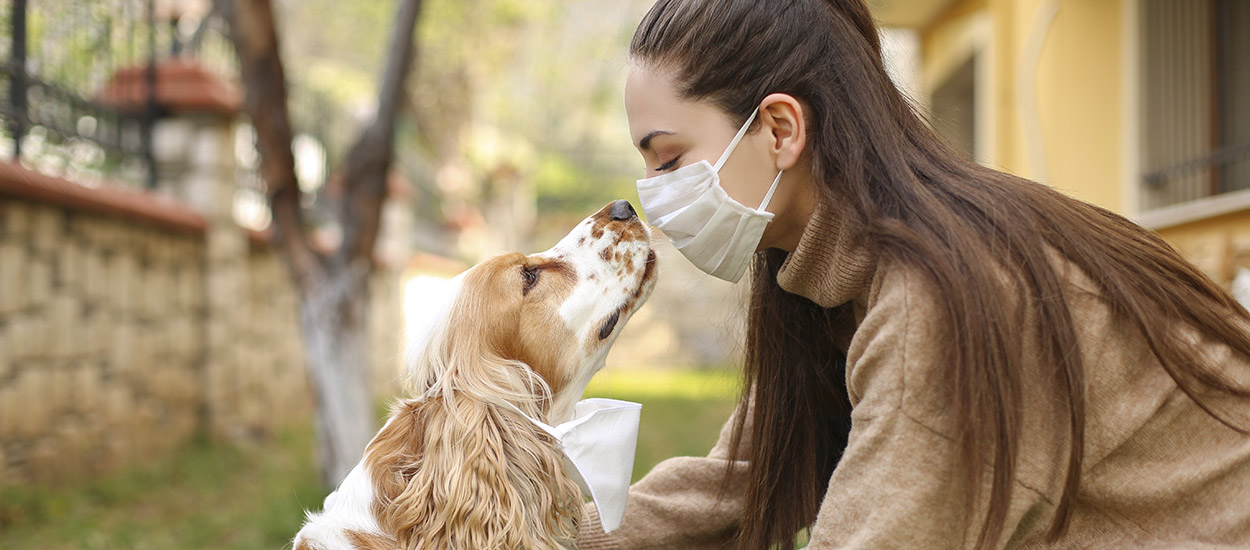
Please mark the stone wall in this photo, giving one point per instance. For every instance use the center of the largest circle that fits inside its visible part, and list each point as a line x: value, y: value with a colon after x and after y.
x: 100, y: 347
x: 130, y: 325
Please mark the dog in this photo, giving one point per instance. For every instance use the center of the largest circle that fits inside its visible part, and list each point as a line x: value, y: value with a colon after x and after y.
x: 455, y: 467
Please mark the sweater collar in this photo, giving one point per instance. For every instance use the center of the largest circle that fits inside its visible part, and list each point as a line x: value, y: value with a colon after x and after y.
x: 830, y: 266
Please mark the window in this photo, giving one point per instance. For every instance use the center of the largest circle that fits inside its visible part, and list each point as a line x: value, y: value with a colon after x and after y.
x: 1195, y: 90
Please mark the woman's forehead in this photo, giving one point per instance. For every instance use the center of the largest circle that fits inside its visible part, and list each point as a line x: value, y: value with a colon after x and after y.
x: 652, y: 104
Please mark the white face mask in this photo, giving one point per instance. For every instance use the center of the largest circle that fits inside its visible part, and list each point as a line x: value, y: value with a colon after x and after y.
x: 598, y: 446
x: 712, y: 230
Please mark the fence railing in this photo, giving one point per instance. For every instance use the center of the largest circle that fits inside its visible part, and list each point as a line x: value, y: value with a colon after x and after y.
x: 60, y: 57
x: 79, y: 94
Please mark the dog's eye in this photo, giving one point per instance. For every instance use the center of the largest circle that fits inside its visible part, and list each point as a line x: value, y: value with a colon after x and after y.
x: 529, y: 278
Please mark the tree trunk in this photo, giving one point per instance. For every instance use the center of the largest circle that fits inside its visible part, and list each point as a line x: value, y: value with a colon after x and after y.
x: 334, y: 314
x: 333, y: 288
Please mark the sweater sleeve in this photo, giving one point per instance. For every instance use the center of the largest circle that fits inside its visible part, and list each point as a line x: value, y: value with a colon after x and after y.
x: 899, y: 482
x: 680, y: 504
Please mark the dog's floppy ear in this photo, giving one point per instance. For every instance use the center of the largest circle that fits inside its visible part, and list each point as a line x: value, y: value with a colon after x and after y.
x: 481, y: 477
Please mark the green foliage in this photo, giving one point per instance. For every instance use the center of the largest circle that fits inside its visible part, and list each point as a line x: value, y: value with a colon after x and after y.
x: 564, y: 185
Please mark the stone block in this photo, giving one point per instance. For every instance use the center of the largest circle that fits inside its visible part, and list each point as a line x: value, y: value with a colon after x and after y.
x: 123, y: 282
x: 69, y: 268
x: 103, y: 233
x: 38, y: 282
x: 195, y: 288
x: 143, y: 353
x: 11, y: 404
x: 13, y: 282
x: 67, y: 327
x: 226, y: 242
x: 21, y: 331
x: 118, y: 405
x: 34, y: 391
x: 182, y: 338
x: 190, y: 391
x: 224, y: 291
x: 157, y: 299
x: 83, y: 227
x: 47, y: 228
x: 96, y: 331
x: 6, y: 352
x: 61, y: 390
x: 122, y: 349
x: 156, y: 385
x: 15, y: 219
x: 95, y: 276
x: 86, y: 385
x: 32, y: 337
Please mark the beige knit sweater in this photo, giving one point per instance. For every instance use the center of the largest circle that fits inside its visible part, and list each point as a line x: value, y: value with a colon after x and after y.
x: 1158, y: 471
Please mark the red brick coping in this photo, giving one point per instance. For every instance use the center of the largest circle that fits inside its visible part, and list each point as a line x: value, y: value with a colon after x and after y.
x: 182, y: 86
x: 109, y: 200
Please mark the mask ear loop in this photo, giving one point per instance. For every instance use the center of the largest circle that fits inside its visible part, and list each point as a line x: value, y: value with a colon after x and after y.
x: 734, y: 144
x: 764, y: 205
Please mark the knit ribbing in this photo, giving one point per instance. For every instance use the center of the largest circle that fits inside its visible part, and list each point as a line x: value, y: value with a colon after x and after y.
x: 830, y: 266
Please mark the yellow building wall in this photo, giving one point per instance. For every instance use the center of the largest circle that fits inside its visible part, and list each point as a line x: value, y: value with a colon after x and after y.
x: 1077, y: 84
x: 1081, y: 81
x: 1217, y: 245
x: 1079, y: 95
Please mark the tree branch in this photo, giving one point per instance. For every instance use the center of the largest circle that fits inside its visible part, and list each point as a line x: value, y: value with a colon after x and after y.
x: 255, y: 38
x: 369, y: 161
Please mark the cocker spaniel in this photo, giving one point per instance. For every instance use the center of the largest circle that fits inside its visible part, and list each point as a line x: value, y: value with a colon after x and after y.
x: 455, y: 467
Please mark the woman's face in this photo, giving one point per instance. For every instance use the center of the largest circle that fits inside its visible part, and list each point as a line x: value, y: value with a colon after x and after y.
x: 671, y: 132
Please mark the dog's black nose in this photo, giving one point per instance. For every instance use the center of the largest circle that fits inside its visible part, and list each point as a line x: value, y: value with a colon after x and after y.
x: 622, y: 210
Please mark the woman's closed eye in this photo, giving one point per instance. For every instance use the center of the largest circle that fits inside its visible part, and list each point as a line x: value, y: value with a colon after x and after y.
x: 669, y: 165
x: 529, y: 278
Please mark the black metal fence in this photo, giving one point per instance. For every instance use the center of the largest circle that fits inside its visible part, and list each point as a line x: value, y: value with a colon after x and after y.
x: 60, y: 55
x: 56, y: 59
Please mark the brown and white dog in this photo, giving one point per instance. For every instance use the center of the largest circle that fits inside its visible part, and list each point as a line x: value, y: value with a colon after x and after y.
x: 455, y: 468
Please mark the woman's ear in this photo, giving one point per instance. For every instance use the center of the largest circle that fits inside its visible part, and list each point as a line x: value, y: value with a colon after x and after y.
x: 783, y: 119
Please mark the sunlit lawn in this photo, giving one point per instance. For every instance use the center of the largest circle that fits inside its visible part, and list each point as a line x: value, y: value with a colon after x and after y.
x: 206, y: 497
x: 220, y: 497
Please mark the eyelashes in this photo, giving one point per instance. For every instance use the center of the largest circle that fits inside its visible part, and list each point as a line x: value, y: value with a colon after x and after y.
x: 669, y: 165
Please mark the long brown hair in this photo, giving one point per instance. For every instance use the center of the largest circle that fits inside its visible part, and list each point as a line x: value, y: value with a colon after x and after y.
x: 915, y: 203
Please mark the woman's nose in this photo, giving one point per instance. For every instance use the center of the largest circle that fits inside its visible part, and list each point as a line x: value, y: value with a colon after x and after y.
x: 622, y: 210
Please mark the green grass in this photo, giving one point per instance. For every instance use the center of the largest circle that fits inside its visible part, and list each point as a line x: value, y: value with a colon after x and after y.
x: 253, y: 497
x: 204, y: 497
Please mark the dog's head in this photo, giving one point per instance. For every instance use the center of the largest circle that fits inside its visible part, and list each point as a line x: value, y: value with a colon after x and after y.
x: 555, y: 312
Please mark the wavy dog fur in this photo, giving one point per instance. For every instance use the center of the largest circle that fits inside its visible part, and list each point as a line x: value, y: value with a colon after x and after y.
x: 458, y: 469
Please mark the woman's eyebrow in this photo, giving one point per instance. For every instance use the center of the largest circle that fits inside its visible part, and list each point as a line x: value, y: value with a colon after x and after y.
x: 644, y: 144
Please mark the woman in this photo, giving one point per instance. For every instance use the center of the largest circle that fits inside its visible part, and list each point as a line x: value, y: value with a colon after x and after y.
x: 938, y: 355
